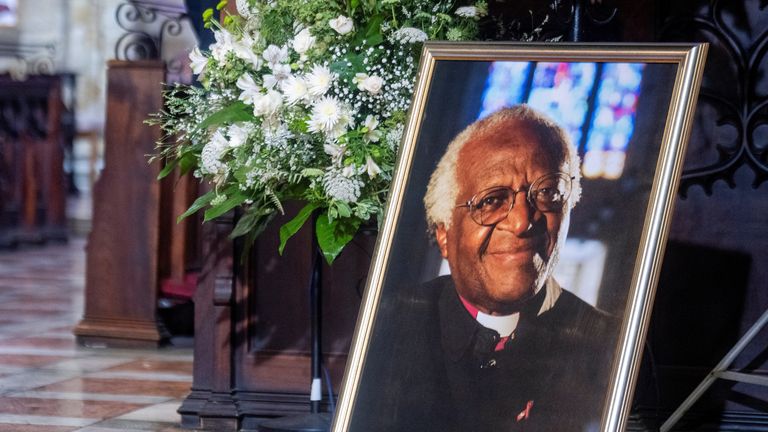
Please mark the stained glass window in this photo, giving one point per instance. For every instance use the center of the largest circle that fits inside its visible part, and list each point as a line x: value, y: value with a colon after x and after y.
x: 594, y: 102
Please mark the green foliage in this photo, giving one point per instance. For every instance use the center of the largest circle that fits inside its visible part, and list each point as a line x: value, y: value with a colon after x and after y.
x: 294, y: 225
x: 301, y: 100
x: 333, y: 235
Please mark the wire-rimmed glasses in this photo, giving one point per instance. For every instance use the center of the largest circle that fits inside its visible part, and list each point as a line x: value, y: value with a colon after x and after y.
x: 546, y: 194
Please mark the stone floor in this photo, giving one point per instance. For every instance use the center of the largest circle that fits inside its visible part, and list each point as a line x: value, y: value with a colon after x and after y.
x: 50, y: 384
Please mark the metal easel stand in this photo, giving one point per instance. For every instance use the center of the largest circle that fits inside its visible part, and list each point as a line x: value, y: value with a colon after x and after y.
x: 721, y: 371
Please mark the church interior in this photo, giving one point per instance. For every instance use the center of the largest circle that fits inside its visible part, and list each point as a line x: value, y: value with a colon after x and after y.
x: 114, y: 316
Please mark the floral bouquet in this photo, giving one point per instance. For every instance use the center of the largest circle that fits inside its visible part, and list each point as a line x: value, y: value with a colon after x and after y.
x: 303, y: 100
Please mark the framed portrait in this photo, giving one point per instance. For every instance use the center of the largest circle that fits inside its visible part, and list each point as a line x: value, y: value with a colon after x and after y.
x: 9, y: 13
x: 515, y: 269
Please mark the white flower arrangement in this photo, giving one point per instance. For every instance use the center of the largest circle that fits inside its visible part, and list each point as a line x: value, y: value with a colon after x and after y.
x: 304, y: 100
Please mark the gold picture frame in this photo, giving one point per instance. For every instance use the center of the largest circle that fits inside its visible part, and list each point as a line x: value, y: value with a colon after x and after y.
x: 630, y: 211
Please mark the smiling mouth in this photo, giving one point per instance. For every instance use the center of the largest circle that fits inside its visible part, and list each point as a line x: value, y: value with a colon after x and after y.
x: 519, y: 253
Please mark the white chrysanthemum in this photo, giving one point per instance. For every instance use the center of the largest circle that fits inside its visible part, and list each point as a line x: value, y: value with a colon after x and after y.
x: 326, y: 115
x: 341, y: 188
x: 275, y: 54
x: 238, y: 134
x: 319, y: 80
x: 210, y: 157
x: 267, y: 104
x: 341, y: 24
x: 294, y: 89
x: 409, y: 35
x: 224, y: 44
x: 250, y: 90
x: 303, y: 41
x: 371, y: 134
x: 371, y: 168
x: 197, y: 61
x: 467, y: 11
x: 345, y: 121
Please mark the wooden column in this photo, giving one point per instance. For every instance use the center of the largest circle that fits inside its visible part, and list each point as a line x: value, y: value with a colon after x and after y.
x: 121, y: 267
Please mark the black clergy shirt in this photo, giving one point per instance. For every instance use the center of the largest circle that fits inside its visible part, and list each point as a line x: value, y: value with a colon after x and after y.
x: 436, y: 368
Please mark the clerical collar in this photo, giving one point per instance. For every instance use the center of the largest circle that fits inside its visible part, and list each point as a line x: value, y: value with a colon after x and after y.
x: 505, y: 325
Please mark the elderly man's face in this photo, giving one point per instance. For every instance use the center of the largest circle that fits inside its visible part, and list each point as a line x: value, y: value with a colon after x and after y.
x: 498, y: 267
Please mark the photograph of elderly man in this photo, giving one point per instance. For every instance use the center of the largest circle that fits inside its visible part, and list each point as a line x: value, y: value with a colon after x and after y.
x: 498, y: 344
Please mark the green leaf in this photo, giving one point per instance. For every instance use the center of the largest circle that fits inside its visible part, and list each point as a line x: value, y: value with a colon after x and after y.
x: 197, y: 205
x: 235, y: 199
x: 187, y: 162
x: 372, y: 34
x: 344, y: 209
x: 238, y: 111
x: 244, y: 224
x: 312, y: 172
x: 294, y: 225
x: 167, y: 169
x: 332, y: 236
x: 253, y: 220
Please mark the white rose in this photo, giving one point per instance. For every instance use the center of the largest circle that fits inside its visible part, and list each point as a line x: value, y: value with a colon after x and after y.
x: 267, y: 104
x: 303, y: 41
x: 372, y: 84
x: 341, y: 24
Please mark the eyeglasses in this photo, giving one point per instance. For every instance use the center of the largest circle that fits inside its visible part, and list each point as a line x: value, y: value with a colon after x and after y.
x: 546, y: 194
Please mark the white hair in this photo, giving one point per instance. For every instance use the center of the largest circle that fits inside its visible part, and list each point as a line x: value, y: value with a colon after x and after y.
x: 442, y: 190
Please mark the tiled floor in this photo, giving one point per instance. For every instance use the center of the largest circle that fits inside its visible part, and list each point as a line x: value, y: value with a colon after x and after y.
x: 48, y: 383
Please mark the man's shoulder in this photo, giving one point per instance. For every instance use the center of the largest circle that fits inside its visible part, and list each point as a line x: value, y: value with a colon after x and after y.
x: 581, y: 318
x: 427, y: 293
